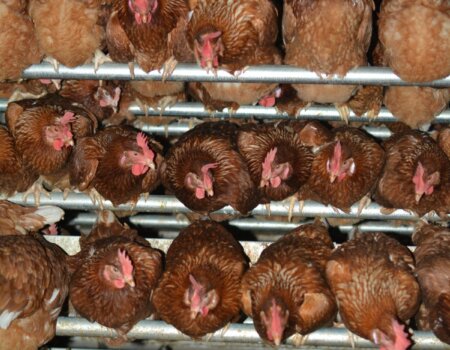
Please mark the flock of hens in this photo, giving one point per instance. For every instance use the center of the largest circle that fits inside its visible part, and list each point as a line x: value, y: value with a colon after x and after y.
x: 76, y: 136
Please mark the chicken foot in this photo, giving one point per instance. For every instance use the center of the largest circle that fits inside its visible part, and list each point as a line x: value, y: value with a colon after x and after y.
x: 363, y: 203
x: 99, y: 59
x: 36, y: 189
x: 299, y: 340
x: 344, y: 111
x: 97, y: 198
x: 168, y: 68
x: 53, y: 62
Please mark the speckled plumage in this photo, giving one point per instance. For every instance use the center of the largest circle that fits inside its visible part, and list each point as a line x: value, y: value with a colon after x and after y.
x: 372, y: 279
x: 207, y: 251
x: 291, y: 270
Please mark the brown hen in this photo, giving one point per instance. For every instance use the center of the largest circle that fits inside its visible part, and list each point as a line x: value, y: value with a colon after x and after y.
x: 67, y: 31
x: 285, y: 292
x: 114, y: 275
x: 278, y: 162
x: 118, y: 163
x: 433, y: 272
x: 416, y: 53
x: 34, y: 285
x: 18, y: 45
x: 327, y: 37
x: 16, y: 219
x: 345, y: 170
x: 232, y: 35
x: 44, y: 132
x: 416, y: 175
x: 373, y: 282
x: 199, y: 292
x: 206, y: 172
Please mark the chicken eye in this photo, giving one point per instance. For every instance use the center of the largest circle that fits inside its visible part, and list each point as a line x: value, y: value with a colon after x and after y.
x: 115, y: 269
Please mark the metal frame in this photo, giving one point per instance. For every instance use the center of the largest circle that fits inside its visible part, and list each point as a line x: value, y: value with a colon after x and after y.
x: 170, y: 204
x: 192, y: 72
x: 236, y: 333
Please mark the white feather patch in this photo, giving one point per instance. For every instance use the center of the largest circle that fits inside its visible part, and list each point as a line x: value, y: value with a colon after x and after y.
x: 6, y: 317
x: 53, y: 297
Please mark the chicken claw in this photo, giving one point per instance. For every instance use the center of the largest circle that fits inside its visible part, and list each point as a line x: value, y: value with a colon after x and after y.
x: 97, y: 198
x: 99, y: 59
x: 344, y: 111
x: 168, y: 68
x: 53, y: 62
x: 238, y: 73
x: 36, y: 189
x: 131, y: 68
x: 363, y: 203
x: 299, y: 340
x: 267, y: 205
x: 225, y: 329
x: 292, y: 200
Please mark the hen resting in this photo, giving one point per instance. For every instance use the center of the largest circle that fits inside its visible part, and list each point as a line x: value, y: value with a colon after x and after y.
x: 114, y: 275
x: 285, y: 291
x: 199, y: 292
x: 373, y: 282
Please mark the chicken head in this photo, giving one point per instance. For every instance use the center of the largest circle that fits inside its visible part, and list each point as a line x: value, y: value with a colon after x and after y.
x: 139, y: 162
x: 59, y: 134
x: 401, y: 341
x: 272, y: 172
x: 105, y: 99
x: 424, y: 184
x: 208, y: 48
x: 338, y: 166
x: 274, y: 318
x: 203, y: 184
x: 120, y: 272
x: 200, y: 301
x: 143, y: 10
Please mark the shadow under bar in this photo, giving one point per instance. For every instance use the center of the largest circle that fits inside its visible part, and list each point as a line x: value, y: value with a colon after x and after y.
x: 192, y: 72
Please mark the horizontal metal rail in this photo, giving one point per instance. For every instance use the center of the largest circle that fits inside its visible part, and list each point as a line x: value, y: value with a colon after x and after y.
x: 314, y: 112
x: 236, y: 333
x: 170, y: 204
x: 192, y: 72
x: 170, y: 222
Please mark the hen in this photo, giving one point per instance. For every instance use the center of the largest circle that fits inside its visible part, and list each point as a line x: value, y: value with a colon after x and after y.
x: 416, y: 175
x: 232, y: 35
x: 327, y: 37
x: 416, y: 53
x: 114, y: 275
x: 433, y: 273
x: 278, y: 162
x: 206, y: 172
x: 100, y: 97
x: 118, y: 163
x: 151, y: 33
x: 345, y: 170
x: 285, y: 291
x: 15, y: 219
x: 372, y: 279
x: 44, y: 132
x: 444, y: 140
x: 18, y: 45
x: 33, y: 288
x: 199, y: 292
x: 14, y: 175
x: 67, y: 31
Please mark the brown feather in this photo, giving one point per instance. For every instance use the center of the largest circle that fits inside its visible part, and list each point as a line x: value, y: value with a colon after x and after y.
x: 211, y: 254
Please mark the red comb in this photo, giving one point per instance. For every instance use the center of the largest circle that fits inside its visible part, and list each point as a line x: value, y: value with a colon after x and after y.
x: 125, y: 262
x: 276, y: 318
x: 206, y: 167
x: 116, y: 97
x: 401, y: 337
x: 210, y: 36
x: 418, y: 176
x: 337, y: 151
x: 141, y: 140
x: 270, y: 157
x: 195, y: 284
x: 51, y: 230
x: 67, y: 118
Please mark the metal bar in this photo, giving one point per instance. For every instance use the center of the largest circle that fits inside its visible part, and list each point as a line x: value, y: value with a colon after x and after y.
x: 170, y: 204
x: 166, y: 222
x: 192, y: 72
x: 236, y: 333
x: 314, y: 112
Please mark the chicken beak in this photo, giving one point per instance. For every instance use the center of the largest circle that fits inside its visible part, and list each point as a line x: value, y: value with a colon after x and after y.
x: 144, y: 18
x: 418, y: 197
x: 70, y: 143
x: 130, y: 281
x: 332, y: 178
x: 209, y: 192
x: 277, y: 341
x: 194, y: 314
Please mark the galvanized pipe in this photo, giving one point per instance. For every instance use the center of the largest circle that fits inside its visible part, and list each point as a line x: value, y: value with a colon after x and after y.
x: 166, y: 222
x: 170, y: 204
x: 192, y: 72
x: 236, y: 333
